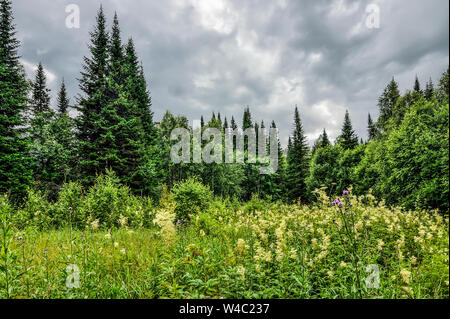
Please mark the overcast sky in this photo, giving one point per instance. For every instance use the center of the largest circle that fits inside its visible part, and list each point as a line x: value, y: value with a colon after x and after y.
x: 202, y: 56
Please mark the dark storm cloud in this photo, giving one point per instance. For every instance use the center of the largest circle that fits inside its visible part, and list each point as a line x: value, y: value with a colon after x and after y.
x: 205, y: 56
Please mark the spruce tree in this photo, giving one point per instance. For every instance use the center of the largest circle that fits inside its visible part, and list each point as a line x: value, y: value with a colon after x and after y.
x: 93, y: 84
x: 233, y: 123
x: 371, y: 128
x: 15, y: 174
x: 63, y: 102
x: 443, y: 88
x: 298, y: 162
x: 417, y: 85
x: 225, y: 124
x: 40, y: 100
x: 348, y: 138
x: 386, y: 104
x: 429, y: 90
x: 324, y: 142
x: 128, y: 141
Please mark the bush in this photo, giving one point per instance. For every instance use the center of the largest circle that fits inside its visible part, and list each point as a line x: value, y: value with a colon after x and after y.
x: 36, y: 211
x: 109, y: 204
x: 70, y: 201
x: 191, y: 197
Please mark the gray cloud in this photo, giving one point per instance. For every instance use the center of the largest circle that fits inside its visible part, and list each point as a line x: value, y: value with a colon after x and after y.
x: 202, y: 56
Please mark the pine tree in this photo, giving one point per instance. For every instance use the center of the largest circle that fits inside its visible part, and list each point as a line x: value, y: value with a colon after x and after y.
x: 417, y: 85
x: 137, y: 87
x: 429, y: 90
x: 443, y: 88
x: 225, y: 124
x: 233, y: 123
x: 15, y: 174
x: 128, y: 141
x: 298, y: 162
x: 386, y: 104
x: 93, y: 84
x: 247, y: 119
x: 202, y: 122
x: 322, y: 141
x: 40, y: 101
x: 63, y: 102
x: 348, y: 138
x: 279, y: 178
x: 371, y: 128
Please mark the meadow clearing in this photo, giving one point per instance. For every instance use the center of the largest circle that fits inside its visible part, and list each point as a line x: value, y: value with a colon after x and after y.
x: 109, y: 244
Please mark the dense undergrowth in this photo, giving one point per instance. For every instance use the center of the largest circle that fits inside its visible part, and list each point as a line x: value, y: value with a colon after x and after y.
x: 107, y: 243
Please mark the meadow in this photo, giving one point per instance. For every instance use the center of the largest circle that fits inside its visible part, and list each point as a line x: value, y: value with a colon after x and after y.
x: 107, y: 243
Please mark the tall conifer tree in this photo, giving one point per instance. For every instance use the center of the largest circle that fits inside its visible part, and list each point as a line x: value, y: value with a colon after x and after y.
x: 298, y: 162
x: 15, y: 174
x: 386, y: 104
x: 93, y: 84
x: 348, y: 138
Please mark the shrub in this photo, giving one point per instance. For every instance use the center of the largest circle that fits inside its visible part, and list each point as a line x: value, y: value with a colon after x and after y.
x: 191, y: 197
x: 36, y: 211
x: 110, y: 204
x: 70, y: 201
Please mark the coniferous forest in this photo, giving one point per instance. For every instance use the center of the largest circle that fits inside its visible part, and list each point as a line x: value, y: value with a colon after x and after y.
x: 92, y: 206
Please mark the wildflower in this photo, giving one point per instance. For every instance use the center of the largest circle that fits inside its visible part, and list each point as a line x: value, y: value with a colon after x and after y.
x: 241, y: 246
x: 202, y: 232
x: 293, y: 253
x: 380, y: 245
x: 164, y: 219
x: 407, y: 290
x: 123, y: 251
x: 343, y: 264
x: 330, y: 273
x: 406, y: 276
x: 346, y: 192
x: 108, y: 236
x: 95, y: 224
x: 20, y: 238
x: 116, y: 244
x: 413, y: 260
x: 123, y: 221
x: 241, y: 272
x: 70, y: 208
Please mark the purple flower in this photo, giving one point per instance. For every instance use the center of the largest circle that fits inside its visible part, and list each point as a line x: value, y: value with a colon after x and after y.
x: 346, y: 192
x: 70, y: 208
x: 20, y: 238
x: 340, y: 204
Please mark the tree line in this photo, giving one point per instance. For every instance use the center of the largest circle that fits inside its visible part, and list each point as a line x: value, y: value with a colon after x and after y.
x: 404, y: 161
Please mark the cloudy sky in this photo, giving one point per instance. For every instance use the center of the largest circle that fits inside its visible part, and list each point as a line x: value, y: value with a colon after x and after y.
x: 202, y: 56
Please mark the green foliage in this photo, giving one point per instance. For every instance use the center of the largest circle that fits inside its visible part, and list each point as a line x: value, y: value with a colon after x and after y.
x: 348, y: 138
x: 113, y: 205
x: 386, y: 104
x: 324, y: 169
x: 416, y: 169
x: 277, y: 251
x: 191, y: 197
x: 298, y: 162
x: 15, y: 174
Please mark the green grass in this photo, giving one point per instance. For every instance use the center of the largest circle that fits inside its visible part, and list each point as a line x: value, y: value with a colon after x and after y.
x: 279, y: 252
